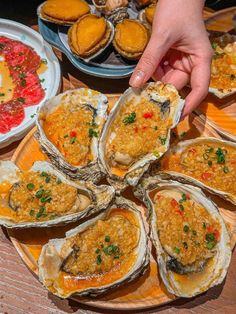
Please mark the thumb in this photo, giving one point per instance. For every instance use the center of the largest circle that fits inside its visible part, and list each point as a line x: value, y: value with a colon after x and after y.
x: 157, y: 47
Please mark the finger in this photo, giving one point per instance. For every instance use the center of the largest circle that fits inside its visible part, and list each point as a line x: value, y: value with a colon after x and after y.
x: 200, y: 78
x: 171, y: 76
x: 152, y: 56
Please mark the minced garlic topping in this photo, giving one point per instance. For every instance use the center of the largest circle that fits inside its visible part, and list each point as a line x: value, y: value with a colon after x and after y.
x: 102, y: 246
x: 137, y: 130
x: 211, y: 163
x: 70, y: 128
x: 41, y: 196
x: 186, y: 229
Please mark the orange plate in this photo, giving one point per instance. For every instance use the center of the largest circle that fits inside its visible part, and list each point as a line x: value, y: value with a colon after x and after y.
x: 145, y: 292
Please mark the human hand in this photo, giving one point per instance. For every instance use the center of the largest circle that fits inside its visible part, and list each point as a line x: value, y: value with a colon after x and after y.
x: 178, y: 51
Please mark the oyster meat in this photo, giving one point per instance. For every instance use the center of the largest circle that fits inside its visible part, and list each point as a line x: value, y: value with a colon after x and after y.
x: 131, y: 38
x: 44, y: 197
x: 190, y: 236
x: 69, y: 127
x: 63, y: 12
x: 89, y: 36
x: 209, y: 163
x: 100, y: 254
x: 137, y: 132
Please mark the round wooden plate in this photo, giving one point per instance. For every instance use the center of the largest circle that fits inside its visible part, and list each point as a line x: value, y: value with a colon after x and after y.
x: 145, y: 292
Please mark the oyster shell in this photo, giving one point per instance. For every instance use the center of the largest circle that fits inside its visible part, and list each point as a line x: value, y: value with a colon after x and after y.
x: 35, y: 198
x: 126, y: 165
x: 90, y: 36
x: 80, y: 104
x: 62, y: 12
x: 213, y: 169
x: 190, y: 236
x: 115, y: 252
x: 223, y: 69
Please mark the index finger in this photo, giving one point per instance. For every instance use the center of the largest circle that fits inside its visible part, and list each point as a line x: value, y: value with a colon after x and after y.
x: 200, y: 79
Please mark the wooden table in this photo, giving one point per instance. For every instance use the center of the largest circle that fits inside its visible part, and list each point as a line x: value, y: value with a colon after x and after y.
x: 21, y: 292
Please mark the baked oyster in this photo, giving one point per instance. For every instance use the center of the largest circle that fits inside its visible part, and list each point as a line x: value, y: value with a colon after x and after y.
x: 89, y: 36
x: 69, y: 126
x: 207, y: 162
x: 190, y: 236
x: 63, y: 12
x: 223, y: 67
x: 97, y: 256
x: 137, y: 132
x: 131, y: 38
x: 44, y: 197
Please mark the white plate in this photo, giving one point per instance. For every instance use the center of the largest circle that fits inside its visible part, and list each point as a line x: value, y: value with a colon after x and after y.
x: 52, y: 75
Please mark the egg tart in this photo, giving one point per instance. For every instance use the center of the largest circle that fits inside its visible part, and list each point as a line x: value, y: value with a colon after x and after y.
x: 149, y: 13
x: 89, y: 35
x: 131, y: 38
x: 64, y: 11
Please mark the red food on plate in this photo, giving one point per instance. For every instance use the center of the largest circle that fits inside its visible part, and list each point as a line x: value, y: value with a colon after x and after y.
x: 22, y: 62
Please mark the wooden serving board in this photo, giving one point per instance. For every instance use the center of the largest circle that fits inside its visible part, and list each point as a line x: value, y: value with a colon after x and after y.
x: 145, y: 292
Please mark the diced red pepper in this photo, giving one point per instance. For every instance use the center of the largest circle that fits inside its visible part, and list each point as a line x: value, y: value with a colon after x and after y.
x: 174, y: 203
x: 209, y: 229
x: 216, y: 234
x: 148, y: 115
x: 136, y: 129
x: 206, y: 176
x: 181, y: 213
x: 187, y: 196
x: 192, y: 150
x: 73, y: 134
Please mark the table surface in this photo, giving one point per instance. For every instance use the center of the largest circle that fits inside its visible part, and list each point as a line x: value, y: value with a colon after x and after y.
x: 20, y: 290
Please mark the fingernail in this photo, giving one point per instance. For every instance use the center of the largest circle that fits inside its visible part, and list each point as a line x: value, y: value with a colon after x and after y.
x: 137, y: 79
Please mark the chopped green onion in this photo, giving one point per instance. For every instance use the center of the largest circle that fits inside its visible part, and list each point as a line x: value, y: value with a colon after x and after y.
x: 130, y: 118
x: 32, y: 211
x: 92, y: 133
x: 186, y: 228
x: 30, y: 186
x: 176, y: 250
x: 209, y: 163
x: 107, y: 239
x: 39, y: 193
x: 97, y: 251
x: 99, y: 260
